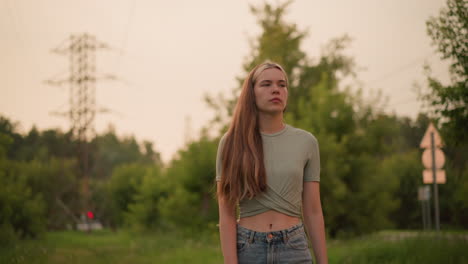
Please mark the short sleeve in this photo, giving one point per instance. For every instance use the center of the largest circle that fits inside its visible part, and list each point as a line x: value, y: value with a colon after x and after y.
x: 219, y: 158
x: 312, y: 167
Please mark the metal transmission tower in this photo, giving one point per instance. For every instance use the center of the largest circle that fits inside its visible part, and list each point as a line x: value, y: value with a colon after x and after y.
x: 81, y: 50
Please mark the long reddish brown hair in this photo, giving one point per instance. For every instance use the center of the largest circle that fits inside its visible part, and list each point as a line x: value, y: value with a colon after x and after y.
x: 243, y: 169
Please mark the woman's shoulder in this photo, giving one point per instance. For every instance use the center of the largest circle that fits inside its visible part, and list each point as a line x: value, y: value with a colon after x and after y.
x: 303, y: 135
x: 222, y: 139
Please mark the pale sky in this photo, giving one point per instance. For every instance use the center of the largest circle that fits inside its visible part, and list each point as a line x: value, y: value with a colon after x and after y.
x: 176, y: 51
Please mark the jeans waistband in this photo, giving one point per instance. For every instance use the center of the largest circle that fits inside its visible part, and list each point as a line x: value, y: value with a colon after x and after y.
x: 282, y: 235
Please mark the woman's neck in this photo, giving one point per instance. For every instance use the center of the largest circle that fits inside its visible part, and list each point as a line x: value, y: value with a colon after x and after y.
x: 270, y: 124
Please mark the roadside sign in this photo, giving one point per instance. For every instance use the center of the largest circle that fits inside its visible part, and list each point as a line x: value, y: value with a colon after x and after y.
x: 439, y: 158
x: 433, y: 159
x: 429, y: 178
x: 426, y: 141
x: 424, y: 193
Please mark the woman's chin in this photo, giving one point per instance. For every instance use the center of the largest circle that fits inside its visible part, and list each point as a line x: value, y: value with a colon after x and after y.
x: 272, y: 111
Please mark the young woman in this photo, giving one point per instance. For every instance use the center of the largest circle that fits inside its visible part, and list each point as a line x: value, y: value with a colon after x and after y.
x: 272, y: 171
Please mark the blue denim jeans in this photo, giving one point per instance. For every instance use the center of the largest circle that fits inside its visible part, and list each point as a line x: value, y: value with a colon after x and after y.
x: 283, y: 246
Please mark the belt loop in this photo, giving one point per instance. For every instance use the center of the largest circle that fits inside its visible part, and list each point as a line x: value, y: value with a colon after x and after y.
x: 251, y: 237
x: 285, y: 236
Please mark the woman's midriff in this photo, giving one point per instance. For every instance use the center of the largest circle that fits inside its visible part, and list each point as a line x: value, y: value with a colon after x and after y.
x: 269, y: 221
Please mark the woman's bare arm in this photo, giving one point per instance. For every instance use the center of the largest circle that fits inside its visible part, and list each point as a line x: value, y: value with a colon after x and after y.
x: 227, y: 230
x: 313, y: 218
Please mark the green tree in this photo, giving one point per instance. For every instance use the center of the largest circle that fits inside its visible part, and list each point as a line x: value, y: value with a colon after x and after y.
x: 405, y: 169
x: 123, y: 187
x: 449, y: 33
x: 8, y: 128
x: 38, y: 145
x: 62, y: 197
x: 144, y: 213
x: 22, y: 212
x: 192, y: 176
x: 109, y: 151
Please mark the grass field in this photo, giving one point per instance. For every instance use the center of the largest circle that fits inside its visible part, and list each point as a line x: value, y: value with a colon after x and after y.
x: 123, y: 247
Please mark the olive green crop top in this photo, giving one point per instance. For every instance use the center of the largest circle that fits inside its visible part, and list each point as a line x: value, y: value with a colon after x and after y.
x: 291, y: 157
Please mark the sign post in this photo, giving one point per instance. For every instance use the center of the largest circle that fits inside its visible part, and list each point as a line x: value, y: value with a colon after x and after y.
x: 424, y: 195
x: 433, y: 159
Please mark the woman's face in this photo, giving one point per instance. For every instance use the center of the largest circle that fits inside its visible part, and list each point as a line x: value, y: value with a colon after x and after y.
x: 271, y: 91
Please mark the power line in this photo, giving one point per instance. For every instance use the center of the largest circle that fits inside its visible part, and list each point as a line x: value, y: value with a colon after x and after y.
x: 397, y: 70
x: 404, y: 101
x: 126, y: 32
x: 400, y: 69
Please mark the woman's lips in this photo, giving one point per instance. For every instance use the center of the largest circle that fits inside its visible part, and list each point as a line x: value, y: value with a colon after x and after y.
x: 275, y: 100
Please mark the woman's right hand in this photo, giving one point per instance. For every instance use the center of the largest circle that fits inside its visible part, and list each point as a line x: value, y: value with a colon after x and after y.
x: 227, y: 229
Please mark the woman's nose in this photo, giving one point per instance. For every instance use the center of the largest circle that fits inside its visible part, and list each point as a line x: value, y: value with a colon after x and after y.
x: 275, y: 88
